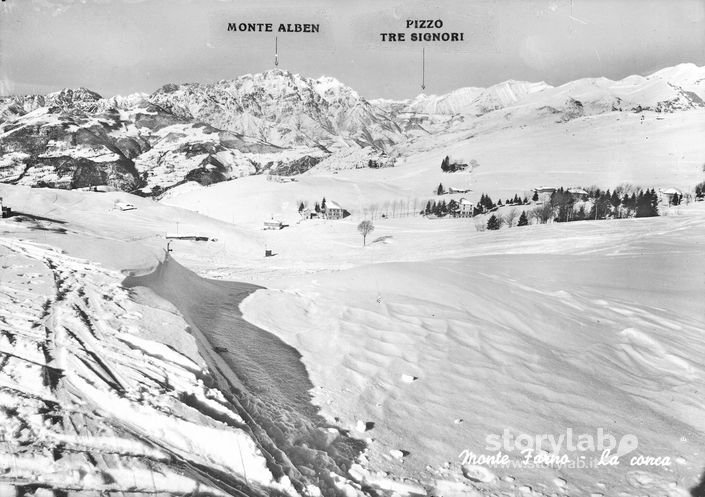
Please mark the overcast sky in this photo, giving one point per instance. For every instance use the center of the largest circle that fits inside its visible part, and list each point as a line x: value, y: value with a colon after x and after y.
x: 124, y: 46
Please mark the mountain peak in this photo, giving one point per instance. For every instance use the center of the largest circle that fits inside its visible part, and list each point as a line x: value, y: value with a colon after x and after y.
x: 284, y: 109
x: 276, y: 73
x: 79, y: 93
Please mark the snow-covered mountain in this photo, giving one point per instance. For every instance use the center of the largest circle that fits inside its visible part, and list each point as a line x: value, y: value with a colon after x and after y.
x: 284, y: 123
x: 681, y: 87
x: 127, y: 143
x: 470, y: 100
x: 284, y: 109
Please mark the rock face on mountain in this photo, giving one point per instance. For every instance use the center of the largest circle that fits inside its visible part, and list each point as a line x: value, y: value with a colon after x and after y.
x: 284, y: 109
x: 77, y: 140
x: 284, y: 124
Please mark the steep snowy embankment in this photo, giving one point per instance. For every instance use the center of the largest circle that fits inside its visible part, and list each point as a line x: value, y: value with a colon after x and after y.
x: 101, y: 393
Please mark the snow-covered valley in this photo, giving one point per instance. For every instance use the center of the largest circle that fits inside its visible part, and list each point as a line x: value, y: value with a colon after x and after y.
x: 420, y: 345
x: 166, y: 344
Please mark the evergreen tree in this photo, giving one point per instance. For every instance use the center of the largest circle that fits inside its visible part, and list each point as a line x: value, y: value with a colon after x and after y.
x: 631, y: 204
x: 317, y: 208
x: 445, y: 164
x: 654, y: 203
x: 486, y: 202
x: 563, y: 204
x: 700, y: 190
x: 615, y: 200
x: 437, y: 208
x: 523, y: 220
x: 440, y: 190
x: 647, y: 204
x: 428, y: 209
x: 535, y: 198
x: 301, y: 207
x: 493, y: 223
x: 600, y: 207
x: 452, y: 207
x: 323, y: 204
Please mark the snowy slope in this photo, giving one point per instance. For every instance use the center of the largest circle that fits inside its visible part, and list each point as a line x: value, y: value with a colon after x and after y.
x: 112, y: 388
x: 532, y: 330
x: 435, y: 300
x: 472, y: 100
x: 605, y: 150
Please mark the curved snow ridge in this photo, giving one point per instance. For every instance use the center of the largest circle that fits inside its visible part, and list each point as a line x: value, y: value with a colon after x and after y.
x: 100, y: 393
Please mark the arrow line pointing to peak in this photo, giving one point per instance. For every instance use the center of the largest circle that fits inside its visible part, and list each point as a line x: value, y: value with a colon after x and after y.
x: 276, y: 51
x: 423, y: 68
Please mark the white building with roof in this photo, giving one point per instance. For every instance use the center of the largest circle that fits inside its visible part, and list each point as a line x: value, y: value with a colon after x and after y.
x: 465, y: 208
x: 334, y: 210
x: 667, y: 194
x: 544, y: 193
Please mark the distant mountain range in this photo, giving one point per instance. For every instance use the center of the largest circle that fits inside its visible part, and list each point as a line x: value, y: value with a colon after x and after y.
x: 672, y: 89
x: 280, y: 123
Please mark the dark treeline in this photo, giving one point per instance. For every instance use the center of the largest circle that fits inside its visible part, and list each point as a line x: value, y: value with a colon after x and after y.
x: 441, y: 208
x: 567, y: 206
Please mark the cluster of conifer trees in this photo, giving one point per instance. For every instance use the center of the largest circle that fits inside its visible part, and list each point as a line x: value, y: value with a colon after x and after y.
x: 441, y: 208
x: 605, y: 204
x: 565, y: 205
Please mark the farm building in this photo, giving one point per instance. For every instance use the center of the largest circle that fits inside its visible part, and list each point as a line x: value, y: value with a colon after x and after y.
x: 273, y: 224
x: 668, y: 194
x: 459, y: 190
x: 334, y: 211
